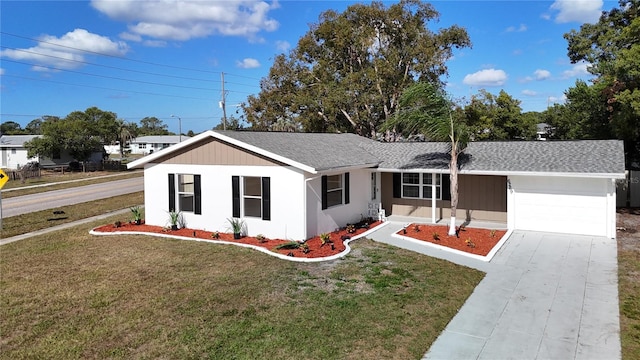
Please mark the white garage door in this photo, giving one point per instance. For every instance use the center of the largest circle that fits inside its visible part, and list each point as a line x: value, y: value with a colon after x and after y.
x: 564, y: 205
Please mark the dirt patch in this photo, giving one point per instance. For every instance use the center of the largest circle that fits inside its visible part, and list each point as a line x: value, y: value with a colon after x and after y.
x: 628, y: 238
x: 470, y: 240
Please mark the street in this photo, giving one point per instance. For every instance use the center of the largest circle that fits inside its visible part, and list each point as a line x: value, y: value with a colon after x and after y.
x: 57, y: 198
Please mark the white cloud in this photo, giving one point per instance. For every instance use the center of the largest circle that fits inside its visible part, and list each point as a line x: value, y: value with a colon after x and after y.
x: 487, y: 77
x: 581, y: 11
x: 282, y: 45
x: 541, y: 74
x: 577, y: 70
x: 521, y: 28
x: 248, y: 63
x: 528, y: 92
x: 67, y: 51
x: 184, y: 20
x: 557, y: 100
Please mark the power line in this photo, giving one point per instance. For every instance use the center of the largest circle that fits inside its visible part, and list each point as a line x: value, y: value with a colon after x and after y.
x: 113, y: 77
x: 107, y: 66
x: 122, y: 57
x: 105, y: 88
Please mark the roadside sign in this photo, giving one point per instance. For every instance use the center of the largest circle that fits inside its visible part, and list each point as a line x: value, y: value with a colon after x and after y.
x: 3, y: 178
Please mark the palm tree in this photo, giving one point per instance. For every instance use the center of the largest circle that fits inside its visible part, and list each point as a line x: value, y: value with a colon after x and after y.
x: 424, y: 108
x: 126, y: 132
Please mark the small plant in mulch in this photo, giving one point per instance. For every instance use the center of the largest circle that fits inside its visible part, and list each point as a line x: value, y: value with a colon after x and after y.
x: 436, y: 237
x: 261, y: 238
x: 470, y: 243
x: 351, y: 228
x: 117, y: 224
x: 492, y: 233
x: 416, y: 228
x: 324, y: 238
x: 215, y: 235
x: 291, y: 245
x: 305, y: 248
x: 136, y: 213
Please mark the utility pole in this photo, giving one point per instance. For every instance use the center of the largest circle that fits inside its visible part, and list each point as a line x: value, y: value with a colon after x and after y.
x: 223, y: 105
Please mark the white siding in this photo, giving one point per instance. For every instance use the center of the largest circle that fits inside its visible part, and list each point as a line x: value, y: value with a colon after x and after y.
x: 562, y: 204
x: 320, y: 221
x: 13, y: 161
x: 287, y: 208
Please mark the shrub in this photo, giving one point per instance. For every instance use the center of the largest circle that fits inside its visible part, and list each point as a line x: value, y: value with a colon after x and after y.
x: 260, y: 238
x: 436, y: 237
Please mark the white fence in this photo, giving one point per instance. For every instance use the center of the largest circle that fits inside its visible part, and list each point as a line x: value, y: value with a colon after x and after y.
x: 628, y: 190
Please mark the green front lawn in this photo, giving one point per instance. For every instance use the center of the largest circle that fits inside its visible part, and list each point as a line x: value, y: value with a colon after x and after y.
x: 72, y: 295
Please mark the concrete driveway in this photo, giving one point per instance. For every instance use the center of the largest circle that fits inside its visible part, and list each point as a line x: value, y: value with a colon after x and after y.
x: 545, y: 296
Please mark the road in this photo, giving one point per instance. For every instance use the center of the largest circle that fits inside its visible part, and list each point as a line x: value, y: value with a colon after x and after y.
x: 57, y: 198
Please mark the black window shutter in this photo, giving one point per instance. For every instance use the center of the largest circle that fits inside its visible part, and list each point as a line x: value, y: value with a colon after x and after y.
x: 346, y: 188
x: 446, y: 187
x: 197, y: 195
x: 324, y: 192
x: 235, y: 196
x: 172, y: 192
x: 397, y: 185
x: 266, y: 198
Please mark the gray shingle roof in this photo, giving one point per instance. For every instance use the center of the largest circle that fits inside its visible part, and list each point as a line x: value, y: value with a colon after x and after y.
x: 580, y: 156
x: 15, y: 140
x: 320, y: 151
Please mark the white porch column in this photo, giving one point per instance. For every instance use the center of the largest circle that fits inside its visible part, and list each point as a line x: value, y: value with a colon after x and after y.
x: 433, y: 198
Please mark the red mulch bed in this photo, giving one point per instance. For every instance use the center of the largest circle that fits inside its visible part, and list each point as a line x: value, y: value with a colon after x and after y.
x: 316, y: 249
x: 471, y: 240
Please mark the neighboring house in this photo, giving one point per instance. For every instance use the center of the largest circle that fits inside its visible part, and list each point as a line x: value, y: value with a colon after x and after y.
x: 144, y: 145
x: 13, y: 153
x: 543, y: 130
x: 298, y: 185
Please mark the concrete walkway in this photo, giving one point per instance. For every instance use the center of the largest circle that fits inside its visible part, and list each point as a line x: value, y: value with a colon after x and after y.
x: 545, y: 296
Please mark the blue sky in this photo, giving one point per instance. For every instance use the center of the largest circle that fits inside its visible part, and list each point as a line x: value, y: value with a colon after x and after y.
x: 153, y: 58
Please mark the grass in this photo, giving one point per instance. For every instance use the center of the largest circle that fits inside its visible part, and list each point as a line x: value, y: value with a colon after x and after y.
x: 52, y: 182
x: 629, y: 293
x: 25, y: 223
x: 73, y: 295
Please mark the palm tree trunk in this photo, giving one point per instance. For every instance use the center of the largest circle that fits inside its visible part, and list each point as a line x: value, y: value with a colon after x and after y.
x: 453, y: 168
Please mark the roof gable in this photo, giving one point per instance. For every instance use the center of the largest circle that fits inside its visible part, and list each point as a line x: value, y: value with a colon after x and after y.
x: 311, y: 152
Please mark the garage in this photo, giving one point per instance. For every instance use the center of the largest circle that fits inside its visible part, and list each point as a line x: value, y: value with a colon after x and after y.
x: 574, y: 205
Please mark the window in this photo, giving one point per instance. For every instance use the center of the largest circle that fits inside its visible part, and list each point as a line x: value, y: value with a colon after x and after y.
x: 335, y: 190
x: 253, y: 198
x: 186, y: 193
x: 418, y: 185
x: 142, y: 146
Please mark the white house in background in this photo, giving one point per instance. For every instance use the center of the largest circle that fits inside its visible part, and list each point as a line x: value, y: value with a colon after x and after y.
x: 13, y: 153
x: 298, y: 185
x: 144, y: 145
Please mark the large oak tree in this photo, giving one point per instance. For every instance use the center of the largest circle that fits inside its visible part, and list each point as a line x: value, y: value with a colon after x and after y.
x: 348, y: 71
